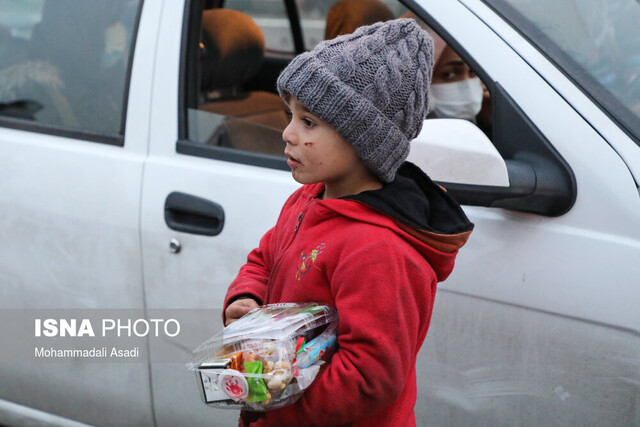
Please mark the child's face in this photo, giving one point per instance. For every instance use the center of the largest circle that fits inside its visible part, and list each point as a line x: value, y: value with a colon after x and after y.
x: 316, y: 152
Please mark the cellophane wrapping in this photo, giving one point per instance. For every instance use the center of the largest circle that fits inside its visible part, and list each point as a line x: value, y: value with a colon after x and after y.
x: 267, y: 358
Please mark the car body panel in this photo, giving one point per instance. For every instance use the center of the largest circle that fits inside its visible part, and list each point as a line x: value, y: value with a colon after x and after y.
x: 524, y: 367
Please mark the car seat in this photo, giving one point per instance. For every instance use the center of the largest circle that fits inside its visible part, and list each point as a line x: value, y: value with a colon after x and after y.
x: 234, y: 48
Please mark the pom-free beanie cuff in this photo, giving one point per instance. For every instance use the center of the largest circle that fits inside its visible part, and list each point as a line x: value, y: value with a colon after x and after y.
x: 371, y: 86
x: 378, y: 142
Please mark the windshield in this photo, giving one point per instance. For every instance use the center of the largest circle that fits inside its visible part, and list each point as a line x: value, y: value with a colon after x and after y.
x: 595, y: 42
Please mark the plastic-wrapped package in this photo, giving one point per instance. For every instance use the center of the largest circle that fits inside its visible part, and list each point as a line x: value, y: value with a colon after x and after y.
x: 266, y: 359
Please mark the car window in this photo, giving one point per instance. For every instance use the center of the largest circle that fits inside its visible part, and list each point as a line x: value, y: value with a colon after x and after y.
x: 596, y: 43
x: 314, y: 14
x: 271, y: 17
x: 234, y: 112
x: 64, y: 63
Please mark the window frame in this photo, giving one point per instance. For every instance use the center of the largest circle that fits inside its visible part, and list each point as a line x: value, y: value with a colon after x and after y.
x: 188, y: 85
x: 84, y: 134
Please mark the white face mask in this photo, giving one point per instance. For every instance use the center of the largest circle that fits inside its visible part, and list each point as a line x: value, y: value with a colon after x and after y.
x: 460, y: 100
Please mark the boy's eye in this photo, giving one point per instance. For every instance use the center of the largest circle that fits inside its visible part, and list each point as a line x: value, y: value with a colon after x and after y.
x: 308, y: 123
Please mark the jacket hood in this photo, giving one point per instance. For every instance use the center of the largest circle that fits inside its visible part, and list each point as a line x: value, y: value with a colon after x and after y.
x: 417, y: 209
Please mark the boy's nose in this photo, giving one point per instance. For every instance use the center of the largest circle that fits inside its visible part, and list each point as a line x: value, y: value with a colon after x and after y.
x: 288, y: 134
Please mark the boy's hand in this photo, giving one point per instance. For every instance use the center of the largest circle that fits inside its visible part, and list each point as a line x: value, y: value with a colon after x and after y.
x: 239, y: 308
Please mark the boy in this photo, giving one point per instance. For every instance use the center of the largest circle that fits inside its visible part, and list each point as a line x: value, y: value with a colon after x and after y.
x: 367, y: 233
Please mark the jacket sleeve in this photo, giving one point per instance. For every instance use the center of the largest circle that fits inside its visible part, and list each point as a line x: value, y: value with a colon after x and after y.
x: 253, y: 277
x: 384, y: 295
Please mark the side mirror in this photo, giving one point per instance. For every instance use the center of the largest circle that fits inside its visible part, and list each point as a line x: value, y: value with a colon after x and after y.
x: 456, y: 151
x: 459, y: 156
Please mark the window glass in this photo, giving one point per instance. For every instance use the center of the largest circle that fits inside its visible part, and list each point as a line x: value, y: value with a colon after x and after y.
x: 237, y: 110
x: 597, y: 43
x: 271, y: 17
x: 239, y: 116
x: 64, y: 62
x: 314, y: 14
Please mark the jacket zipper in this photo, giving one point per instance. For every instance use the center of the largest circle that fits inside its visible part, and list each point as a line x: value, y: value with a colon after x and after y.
x: 299, y: 221
x: 285, y: 251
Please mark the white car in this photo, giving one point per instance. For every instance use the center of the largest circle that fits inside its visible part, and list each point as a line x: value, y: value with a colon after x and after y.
x: 140, y: 162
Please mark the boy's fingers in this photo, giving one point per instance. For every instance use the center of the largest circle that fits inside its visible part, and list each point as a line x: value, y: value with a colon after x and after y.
x: 239, y: 308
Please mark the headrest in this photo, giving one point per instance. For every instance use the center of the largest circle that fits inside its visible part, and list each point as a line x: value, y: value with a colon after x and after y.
x: 234, y: 48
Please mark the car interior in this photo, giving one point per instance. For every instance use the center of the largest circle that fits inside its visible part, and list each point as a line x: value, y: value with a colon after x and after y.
x: 67, y: 65
x: 232, y: 50
x: 236, y: 105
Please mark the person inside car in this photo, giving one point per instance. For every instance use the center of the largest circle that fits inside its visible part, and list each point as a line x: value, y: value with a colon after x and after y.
x: 383, y: 233
x: 456, y: 91
x: 345, y: 16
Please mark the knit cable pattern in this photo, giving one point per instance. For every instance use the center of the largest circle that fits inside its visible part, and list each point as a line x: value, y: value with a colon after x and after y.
x: 371, y: 86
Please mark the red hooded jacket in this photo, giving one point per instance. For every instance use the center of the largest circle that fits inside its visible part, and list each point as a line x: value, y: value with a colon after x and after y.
x: 376, y: 257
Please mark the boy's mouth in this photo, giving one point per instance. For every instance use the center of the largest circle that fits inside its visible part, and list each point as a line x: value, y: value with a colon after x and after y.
x: 292, y: 161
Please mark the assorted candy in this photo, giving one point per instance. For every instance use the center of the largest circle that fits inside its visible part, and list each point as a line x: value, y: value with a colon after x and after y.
x: 267, y: 358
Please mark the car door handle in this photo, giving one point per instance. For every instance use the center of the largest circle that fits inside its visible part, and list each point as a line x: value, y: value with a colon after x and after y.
x: 192, y: 214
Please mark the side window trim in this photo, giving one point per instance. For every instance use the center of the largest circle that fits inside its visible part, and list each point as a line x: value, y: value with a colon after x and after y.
x: 188, y: 94
x: 26, y: 125
x: 295, y: 26
x: 127, y: 77
x: 232, y: 155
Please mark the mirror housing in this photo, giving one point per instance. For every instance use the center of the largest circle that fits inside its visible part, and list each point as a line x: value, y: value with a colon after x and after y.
x: 460, y: 157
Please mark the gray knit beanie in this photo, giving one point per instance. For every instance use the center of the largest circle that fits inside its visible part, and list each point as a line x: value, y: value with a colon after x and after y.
x: 371, y: 86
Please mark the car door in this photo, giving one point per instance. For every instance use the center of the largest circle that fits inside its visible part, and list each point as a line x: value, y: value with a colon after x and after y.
x: 71, y: 174
x: 219, y: 201
x: 536, y: 325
